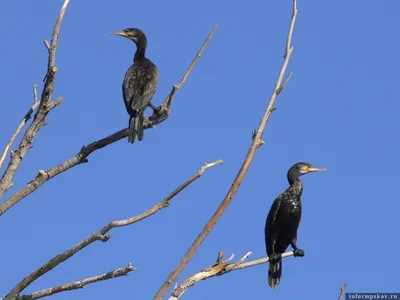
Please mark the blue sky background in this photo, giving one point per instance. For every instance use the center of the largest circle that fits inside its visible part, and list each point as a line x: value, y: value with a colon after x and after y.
x: 339, y: 111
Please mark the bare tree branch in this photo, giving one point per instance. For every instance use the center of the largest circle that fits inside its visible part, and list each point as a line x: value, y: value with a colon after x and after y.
x: 80, y: 284
x: 162, y: 113
x: 27, y: 116
x: 54, y: 40
x: 101, y: 235
x: 279, y: 90
x: 219, y: 268
x: 257, y: 141
x: 342, y: 291
x: 165, y: 108
x: 47, y: 44
x: 45, y: 106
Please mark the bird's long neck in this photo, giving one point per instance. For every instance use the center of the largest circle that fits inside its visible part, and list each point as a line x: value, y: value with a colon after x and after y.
x: 141, y: 46
x: 296, y: 184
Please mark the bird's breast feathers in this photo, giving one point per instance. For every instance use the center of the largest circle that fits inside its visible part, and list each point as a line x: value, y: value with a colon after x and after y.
x: 140, y: 84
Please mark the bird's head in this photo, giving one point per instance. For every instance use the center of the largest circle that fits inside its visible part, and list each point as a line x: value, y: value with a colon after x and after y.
x: 302, y: 168
x: 133, y: 34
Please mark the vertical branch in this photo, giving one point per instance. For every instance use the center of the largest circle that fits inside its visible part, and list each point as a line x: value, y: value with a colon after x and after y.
x: 54, y: 37
x: 45, y: 106
x: 257, y: 141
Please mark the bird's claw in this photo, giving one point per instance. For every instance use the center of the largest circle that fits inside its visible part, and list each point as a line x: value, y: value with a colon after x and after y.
x: 298, y: 253
x: 156, y: 110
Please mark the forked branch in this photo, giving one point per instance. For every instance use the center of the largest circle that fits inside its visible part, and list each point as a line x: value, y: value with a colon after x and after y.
x: 101, y: 235
x: 219, y: 268
x: 257, y: 141
x: 45, y: 106
x: 27, y: 116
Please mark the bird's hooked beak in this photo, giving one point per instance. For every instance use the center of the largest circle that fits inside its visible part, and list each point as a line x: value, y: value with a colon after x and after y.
x: 314, y: 169
x: 121, y: 33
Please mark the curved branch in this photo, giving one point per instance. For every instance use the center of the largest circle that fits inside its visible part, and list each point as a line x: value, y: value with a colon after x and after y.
x: 80, y: 284
x: 101, y: 235
x: 54, y: 37
x: 257, y: 141
x: 45, y: 106
x: 162, y: 113
x: 218, y: 269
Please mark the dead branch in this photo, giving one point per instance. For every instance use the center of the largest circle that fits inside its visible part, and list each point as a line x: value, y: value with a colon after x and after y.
x: 342, y: 291
x: 165, y: 108
x: 54, y: 39
x: 162, y: 113
x: 101, y: 235
x: 219, y: 268
x: 45, y: 106
x: 27, y: 116
x: 80, y: 284
x: 257, y: 141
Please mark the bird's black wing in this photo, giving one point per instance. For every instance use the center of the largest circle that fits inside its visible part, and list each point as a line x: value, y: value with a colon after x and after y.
x: 269, y: 225
x: 139, y: 85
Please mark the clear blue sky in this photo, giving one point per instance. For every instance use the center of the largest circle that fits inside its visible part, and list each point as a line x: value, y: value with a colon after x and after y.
x: 339, y: 111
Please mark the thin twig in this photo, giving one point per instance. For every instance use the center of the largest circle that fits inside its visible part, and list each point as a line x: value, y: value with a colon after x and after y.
x: 218, y: 269
x: 47, y: 44
x: 45, y: 106
x: 27, y: 116
x: 241, y: 174
x: 165, y: 108
x: 279, y: 90
x: 101, y: 235
x: 158, y: 117
x: 342, y: 291
x: 80, y: 284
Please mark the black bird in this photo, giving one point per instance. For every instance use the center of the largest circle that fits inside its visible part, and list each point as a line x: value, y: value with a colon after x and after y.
x: 139, y: 84
x: 283, y: 220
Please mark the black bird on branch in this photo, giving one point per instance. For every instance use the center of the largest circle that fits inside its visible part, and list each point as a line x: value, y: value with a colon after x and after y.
x: 283, y: 221
x: 139, y: 84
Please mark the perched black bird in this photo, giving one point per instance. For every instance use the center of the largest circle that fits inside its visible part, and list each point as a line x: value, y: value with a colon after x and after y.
x: 139, y: 84
x: 283, y: 220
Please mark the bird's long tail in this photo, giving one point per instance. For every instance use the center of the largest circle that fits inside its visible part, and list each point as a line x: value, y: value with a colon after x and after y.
x: 136, y: 127
x: 275, y: 273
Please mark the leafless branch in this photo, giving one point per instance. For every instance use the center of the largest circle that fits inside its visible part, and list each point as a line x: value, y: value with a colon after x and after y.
x: 47, y: 44
x: 279, y: 90
x: 342, y: 291
x: 101, y: 235
x: 257, y: 141
x: 159, y: 116
x: 219, y: 268
x: 54, y: 37
x: 165, y: 108
x: 27, y: 116
x: 45, y: 106
x: 80, y: 284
